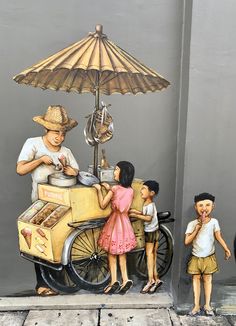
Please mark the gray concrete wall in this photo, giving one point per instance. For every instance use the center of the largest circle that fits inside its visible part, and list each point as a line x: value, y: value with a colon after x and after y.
x: 209, y: 161
x: 145, y: 125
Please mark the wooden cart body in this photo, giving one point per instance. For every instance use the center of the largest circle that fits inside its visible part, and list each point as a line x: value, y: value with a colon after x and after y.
x: 82, y: 204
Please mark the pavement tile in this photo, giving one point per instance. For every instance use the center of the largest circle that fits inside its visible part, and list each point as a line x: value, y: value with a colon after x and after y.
x: 174, y: 317
x: 12, y: 318
x: 204, y: 321
x: 232, y: 320
x: 62, y: 318
x: 135, y: 317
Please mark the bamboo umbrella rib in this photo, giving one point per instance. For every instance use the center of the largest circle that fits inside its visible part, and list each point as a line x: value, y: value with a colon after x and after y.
x: 83, y: 61
x: 116, y: 65
x: 105, y: 59
x: 120, y: 59
x: 93, y: 62
x: 69, y: 80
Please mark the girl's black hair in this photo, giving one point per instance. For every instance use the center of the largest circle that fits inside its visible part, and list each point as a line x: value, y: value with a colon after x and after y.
x: 126, y: 173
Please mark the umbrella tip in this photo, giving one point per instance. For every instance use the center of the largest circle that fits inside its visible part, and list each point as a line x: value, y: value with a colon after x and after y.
x: 99, y: 29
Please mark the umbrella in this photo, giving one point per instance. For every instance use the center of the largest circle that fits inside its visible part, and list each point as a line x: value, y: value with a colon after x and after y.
x: 95, y: 65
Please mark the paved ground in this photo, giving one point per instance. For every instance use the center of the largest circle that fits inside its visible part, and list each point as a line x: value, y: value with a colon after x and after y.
x: 109, y: 317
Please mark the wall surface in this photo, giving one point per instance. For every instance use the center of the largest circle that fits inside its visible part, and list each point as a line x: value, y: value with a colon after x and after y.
x: 209, y: 160
x: 145, y: 125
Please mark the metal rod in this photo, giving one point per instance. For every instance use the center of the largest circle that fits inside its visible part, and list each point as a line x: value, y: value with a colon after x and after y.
x: 95, y: 156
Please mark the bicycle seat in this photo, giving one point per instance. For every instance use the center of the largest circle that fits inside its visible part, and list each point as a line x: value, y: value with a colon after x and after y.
x: 163, y: 215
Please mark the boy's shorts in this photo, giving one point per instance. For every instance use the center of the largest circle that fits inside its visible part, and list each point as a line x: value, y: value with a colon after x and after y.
x: 202, y: 265
x: 152, y: 237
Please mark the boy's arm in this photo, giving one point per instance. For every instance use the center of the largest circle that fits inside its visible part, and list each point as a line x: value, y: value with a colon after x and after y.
x: 189, y: 237
x: 140, y: 216
x: 223, y: 244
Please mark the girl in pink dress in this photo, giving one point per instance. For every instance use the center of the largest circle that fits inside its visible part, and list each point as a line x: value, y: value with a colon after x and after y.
x: 117, y: 236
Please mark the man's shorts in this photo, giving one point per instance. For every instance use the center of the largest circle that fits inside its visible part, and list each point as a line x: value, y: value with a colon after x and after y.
x: 152, y: 237
x: 202, y: 265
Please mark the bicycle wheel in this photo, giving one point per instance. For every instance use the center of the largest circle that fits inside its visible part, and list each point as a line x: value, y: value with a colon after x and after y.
x: 164, y: 254
x: 88, y: 262
x: 58, y: 280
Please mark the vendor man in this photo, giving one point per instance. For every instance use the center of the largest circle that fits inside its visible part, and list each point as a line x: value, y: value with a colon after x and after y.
x: 41, y: 156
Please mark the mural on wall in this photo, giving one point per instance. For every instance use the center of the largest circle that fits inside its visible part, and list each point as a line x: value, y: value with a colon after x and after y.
x: 201, y: 233
x: 72, y: 227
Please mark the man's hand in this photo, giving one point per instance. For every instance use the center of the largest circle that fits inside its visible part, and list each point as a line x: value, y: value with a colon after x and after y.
x: 46, y: 160
x: 227, y: 254
x: 68, y: 170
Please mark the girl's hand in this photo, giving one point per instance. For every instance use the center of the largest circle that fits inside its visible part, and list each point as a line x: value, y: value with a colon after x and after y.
x: 106, y: 186
x: 97, y: 186
x: 227, y: 254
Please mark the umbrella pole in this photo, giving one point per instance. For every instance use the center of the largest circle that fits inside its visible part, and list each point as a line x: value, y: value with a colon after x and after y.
x: 95, y: 155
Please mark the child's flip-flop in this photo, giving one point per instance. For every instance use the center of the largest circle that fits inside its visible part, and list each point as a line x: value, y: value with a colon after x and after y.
x: 125, y: 288
x: 112, y: 288
x: 155, y: 286
x: 147, y: 287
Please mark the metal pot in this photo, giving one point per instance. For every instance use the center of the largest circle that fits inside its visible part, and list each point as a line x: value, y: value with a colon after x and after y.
x: 61, y: 180
x: 87, y: 179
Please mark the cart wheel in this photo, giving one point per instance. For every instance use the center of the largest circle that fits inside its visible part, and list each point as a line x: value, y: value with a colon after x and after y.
x: 164, y: 254
x: 88, y: 264
x: 58, y: 280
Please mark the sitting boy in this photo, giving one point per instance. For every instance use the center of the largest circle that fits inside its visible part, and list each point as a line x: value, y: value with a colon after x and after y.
x: 202, y: 233
x: 149, y: 189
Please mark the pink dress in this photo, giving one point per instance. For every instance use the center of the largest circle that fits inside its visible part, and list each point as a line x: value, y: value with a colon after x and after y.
x: 117, y: 235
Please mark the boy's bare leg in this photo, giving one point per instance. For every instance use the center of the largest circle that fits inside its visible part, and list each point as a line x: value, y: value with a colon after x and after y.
x: 123, y: 268
x: 207, y: 282
x: 113, y: 267
x: 155, y: 274
x: 196, y: 291
x: 150, y: 260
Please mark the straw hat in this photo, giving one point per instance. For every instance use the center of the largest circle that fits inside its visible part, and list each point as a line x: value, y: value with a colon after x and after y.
x: 56, y: 118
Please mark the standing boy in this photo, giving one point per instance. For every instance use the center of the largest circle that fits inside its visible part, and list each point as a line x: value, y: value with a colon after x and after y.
x: 40, y: 156
x: 149, y: 189
x: 202, y: 233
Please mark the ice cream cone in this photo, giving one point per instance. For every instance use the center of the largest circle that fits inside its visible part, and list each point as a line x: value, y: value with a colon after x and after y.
x: 28, y: 240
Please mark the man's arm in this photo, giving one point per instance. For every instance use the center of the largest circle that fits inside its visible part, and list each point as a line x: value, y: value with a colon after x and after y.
x: 189, y: 237
x: 223, y: 244
x: 24, y: 167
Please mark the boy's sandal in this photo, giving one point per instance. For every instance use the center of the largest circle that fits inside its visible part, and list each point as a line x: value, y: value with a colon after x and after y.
x: 155, y: 287
x: 209, y: 312
x: 45, y: 292
x: 112, y: 288
x: 194, y: 314
x: 147, y: 287
x: 125, y: 288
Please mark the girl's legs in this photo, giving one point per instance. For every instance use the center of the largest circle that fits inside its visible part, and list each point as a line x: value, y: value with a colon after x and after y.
x: 113, y: 267
x: 123, y: 268
x: 196, y: 291
x: 207, y: 282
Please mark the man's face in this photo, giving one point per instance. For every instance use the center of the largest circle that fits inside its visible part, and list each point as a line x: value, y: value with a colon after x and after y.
x: 146, y: 193
x: 55, y: 138
x: 204, y: 206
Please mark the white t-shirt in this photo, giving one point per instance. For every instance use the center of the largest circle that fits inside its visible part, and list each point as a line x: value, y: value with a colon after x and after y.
x: 203, y: 244
x: 150, y: 210
x: 33, y: 149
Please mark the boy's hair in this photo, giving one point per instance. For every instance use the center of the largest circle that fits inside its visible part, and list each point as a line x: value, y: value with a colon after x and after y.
x: 152, y: 186
x: 204, y: 196
x: 126, y: 173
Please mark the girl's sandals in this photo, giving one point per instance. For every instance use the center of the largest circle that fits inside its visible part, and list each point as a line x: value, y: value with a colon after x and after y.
x: 194, y: 313
x: 125, y: 288
x: 155, y: 286
x: 147, y: 287
x: 43, y: 292
x: 112, y: 288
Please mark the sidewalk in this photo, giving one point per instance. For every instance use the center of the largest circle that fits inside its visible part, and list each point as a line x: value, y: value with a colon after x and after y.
x: 100, y: 310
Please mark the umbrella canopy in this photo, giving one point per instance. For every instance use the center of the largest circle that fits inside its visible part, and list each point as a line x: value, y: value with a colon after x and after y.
x: 94, y: 63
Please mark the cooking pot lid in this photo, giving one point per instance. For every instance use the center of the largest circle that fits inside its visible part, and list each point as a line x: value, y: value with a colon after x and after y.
x: 87, y: 179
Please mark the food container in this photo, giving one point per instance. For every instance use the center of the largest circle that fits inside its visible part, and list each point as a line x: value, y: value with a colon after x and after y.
x: 87, y: 179
x: 43, y: 213
x: 105, y: 175
x: 32, y: 210
x: 62, y: 180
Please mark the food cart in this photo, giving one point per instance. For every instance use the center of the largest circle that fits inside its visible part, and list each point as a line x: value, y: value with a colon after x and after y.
x: 60, y: 232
